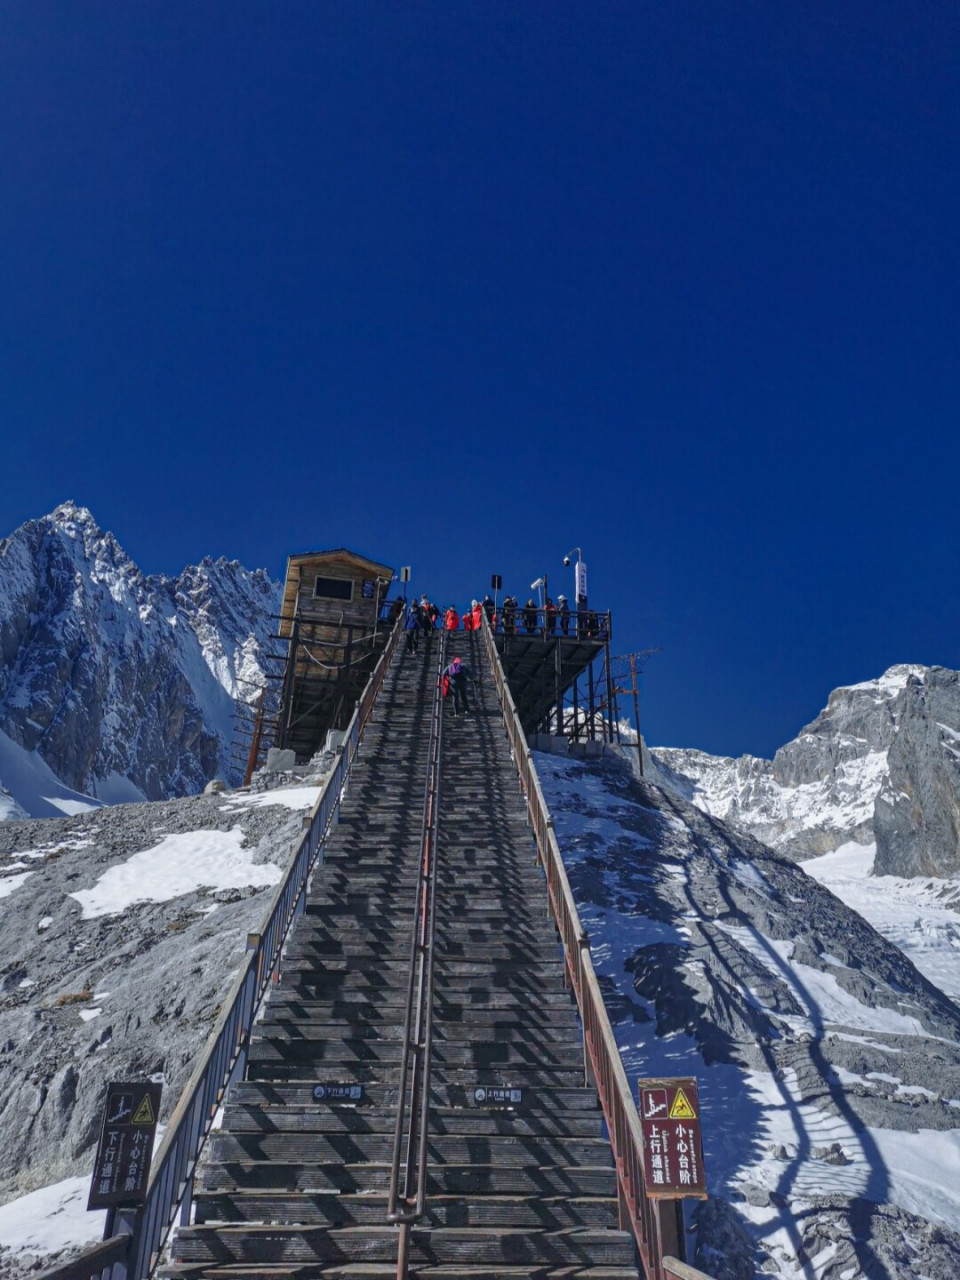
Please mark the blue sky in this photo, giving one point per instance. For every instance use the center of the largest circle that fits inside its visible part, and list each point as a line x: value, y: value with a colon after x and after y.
x: 465, y: 284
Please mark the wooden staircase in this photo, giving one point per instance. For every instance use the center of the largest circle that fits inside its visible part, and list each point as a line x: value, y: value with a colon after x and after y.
x: 296, y: 1185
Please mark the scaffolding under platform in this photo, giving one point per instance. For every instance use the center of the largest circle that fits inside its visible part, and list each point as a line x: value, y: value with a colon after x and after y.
x: 560, y: 682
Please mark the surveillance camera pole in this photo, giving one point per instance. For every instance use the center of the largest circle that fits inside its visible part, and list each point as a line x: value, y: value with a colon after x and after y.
x: 579, y: 578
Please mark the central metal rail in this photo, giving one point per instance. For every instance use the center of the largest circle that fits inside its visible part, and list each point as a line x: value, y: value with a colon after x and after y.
x: 408, y: 1169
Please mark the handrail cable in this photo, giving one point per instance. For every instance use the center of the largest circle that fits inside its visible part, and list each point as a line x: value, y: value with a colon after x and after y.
x: 405, y: 1205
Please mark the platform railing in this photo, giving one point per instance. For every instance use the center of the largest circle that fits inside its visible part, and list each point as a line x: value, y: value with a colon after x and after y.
x: 585, y: 624
x: 657, y: 1225
x: 135, y: 1238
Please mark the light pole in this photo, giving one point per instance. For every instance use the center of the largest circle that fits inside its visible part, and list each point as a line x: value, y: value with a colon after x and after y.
x: 579, y: 577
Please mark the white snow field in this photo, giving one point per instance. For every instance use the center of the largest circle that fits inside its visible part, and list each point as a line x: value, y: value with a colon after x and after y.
x: 919, y: 915
x: 48, y: 1220
x: 34, y: 789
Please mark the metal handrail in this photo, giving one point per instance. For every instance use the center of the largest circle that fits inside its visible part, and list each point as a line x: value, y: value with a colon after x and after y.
x: 99, y: 1260
x: 590, y: 624
x: 654, y: 1223
x: 407, y: 1205
x: 172, y: 1170
x: 674, y: 1269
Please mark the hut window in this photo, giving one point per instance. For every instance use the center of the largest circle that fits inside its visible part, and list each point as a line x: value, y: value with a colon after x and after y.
x: 334, y: 588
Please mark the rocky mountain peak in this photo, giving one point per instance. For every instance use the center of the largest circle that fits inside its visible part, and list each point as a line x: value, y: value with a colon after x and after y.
x: 124, y: 685
x: 878, y: 765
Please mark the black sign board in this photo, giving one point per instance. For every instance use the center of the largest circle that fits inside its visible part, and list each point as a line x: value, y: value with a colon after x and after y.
x: 338, y: 1092
x: 496, y: 582
x: 126, y: 1145
x: 497, y: 1096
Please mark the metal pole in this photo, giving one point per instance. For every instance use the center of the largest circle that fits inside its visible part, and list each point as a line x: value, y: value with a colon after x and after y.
x: 558, y: 666
x: 591, y: 730
x: 610, y: 699
x: 636, y: 711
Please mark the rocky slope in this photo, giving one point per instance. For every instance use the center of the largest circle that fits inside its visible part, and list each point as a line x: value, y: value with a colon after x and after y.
x: 122, y: 929
x: 879, y: 765
x: 828, y: 1066
x: 124, y: 685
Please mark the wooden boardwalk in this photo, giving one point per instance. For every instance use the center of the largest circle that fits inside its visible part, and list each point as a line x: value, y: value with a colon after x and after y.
x: 297, y: 1185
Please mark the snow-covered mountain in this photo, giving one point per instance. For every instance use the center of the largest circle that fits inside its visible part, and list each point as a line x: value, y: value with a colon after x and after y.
x: 115, y: 685
x: 879, y: 766
x: 827, y: 1058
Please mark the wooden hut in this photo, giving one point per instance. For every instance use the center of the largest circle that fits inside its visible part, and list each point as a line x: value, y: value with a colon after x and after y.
x: 333, y: 619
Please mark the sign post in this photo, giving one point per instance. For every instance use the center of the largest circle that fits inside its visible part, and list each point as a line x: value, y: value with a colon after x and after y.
x: 672, y: 1157
x: 672, y: 1147
x: 122, y: 1163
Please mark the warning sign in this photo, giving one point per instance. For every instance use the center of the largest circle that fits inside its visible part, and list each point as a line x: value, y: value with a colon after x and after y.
x: 672, y: 1149
x: 145, y: 1113
x: 680, y: 1110
x: 125, y: 1149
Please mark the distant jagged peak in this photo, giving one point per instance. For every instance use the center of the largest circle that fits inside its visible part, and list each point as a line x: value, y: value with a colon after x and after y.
x: 77, y: 525
x: 72, y: 513
x: 890, y: 685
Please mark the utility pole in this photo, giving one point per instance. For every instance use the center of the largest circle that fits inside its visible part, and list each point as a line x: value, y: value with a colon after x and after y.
x: 631, y: 664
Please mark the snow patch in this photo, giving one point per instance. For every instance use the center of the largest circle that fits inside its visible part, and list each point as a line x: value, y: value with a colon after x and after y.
x: 179, y: 864
x: 51, y: 1219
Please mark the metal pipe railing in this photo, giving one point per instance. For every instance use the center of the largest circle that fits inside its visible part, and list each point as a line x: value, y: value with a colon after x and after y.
x: 674, y: 1269
x: 406, y: 1203
x: 141, y: 1235
x: 589, y: 624
x: 655, y: 1224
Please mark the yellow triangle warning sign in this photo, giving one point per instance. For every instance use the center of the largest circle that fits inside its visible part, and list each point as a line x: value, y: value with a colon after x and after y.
x: 681, y: 1109
x: 144, y: 1113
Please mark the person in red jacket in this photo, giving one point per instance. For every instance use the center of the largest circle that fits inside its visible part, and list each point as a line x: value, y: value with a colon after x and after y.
x: 467, y: 620
x: 452, y: 619
x: 477, y: 611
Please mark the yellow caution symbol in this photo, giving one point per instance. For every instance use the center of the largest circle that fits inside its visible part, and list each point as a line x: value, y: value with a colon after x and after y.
x: 144, y: 1113
x: 681, y: 1109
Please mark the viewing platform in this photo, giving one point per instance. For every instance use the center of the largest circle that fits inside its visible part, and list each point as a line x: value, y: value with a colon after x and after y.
x: 545, y: 663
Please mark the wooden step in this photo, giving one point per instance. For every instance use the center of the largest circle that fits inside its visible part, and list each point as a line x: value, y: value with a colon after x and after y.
x: 388, y: 1271
x: 369, y: 1177
x: 443, y: 1245
x: 476, y: 1055
x: 335, y: 1209
x: 505, y: 1149
x: 475, y: 1121
x: 369, y: 1017
x: 278, y: 1095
